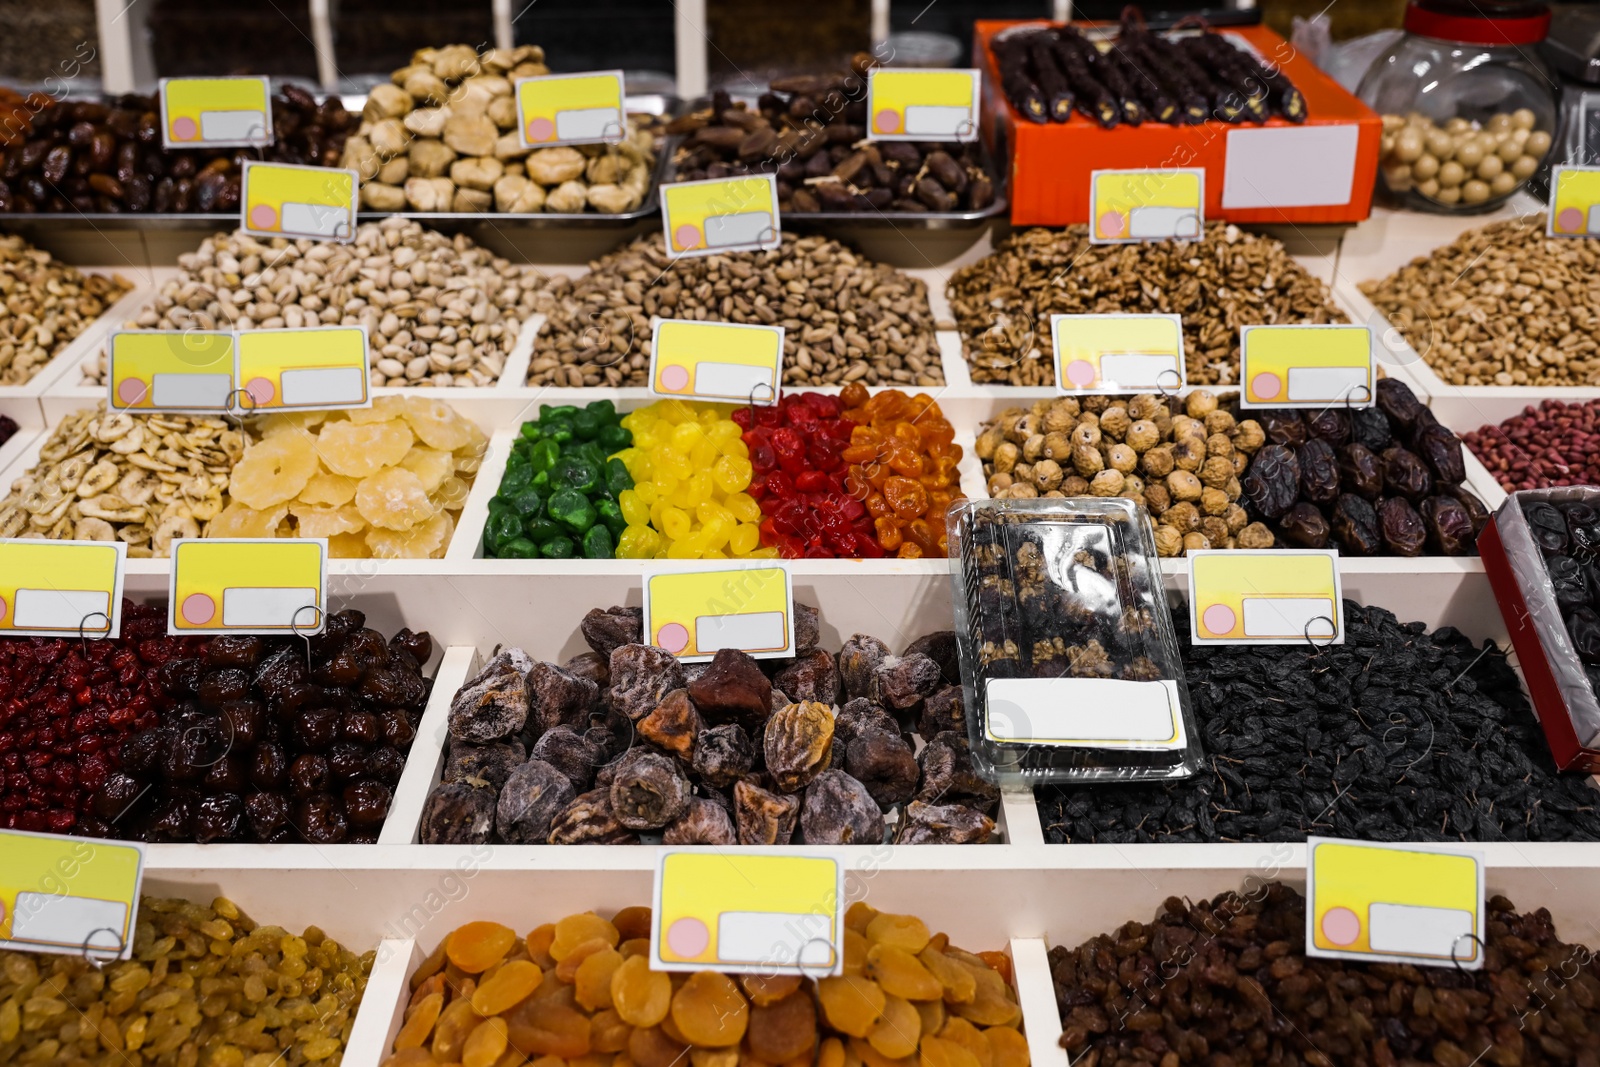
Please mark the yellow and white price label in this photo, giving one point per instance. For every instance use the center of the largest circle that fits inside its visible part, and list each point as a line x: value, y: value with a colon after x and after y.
x: 1260, y: 597
x: 716, y: 215
x: 717, y: 361
x: 290, y: 200
x: 1130, y: 206
x: 1418, y: 904
x: 170, y: 370
x: 924, y: 105
x: 559, y: 109
x: 1574, y: 202
x: 693, y: 612
x: 216, y: 112
x: 753, y: 911
x: 1310, y: 365
x: 71, y: 895
x: 61, y: 588
x: 305, y: 369
x: 1118, y: 353
x: 248, y: 586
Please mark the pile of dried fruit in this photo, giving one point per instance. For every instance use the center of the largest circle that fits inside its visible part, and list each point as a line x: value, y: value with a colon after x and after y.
x: 582, y: 988
x: 205, y: 985
x: 845, y: 318
x: 558, y: 497
x: 1228, y: 981
x: 1568, y: 538
x: 386, y: 481
x: 1227, y: 279
x: 442, y: 136
x: 145, y: 480
x: 44, y: 304
x: 1501, y: 305
x: 1550, y: 445
x: 1384, y: 480
x: 625, y: 740
x: 1183, y: 468
x: 1395, y: 735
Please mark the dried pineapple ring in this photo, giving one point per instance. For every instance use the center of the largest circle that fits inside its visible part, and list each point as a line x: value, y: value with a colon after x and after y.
x: 437, y: 423
x: 426, y: 540
x: 451, y: 495
x: 382, y: 409
x: 429, y: 464
x: 273, y: 471
x: 285, y: 421
x: 360, y: 451
x: 348, y: 546
x: 326, y: 522
x: 330, y: 489
x: 393, y: 499
x: 238, y: 520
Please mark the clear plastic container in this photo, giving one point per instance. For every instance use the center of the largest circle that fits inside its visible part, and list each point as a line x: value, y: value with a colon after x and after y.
x: 1069, y: 660
x: 1468, y: 109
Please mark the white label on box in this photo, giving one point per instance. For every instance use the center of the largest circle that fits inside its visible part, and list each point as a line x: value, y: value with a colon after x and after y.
x: 746, y: 228
x: 51, y: 918
x: 1267, y: 167
x: 192, y: 390
x: 1410, y: 929
x: 730, y: 379
x: 246, y: 606
x: 1332, y: 384
x: 1155, y: 223
x: 928, y: 120
x: 1287, y: 616
x: 315, y: 220
x: 765, y: 936
x: 61, y: 609
x: 232, y: 125
x: 323, y: 385
x: 757, y: 630
x: 1085, y: 712
x: 587, y: 124
x: 1130, y: 371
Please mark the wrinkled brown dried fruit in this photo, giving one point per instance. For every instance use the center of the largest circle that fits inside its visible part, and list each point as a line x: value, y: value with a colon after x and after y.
x: 797, y: 741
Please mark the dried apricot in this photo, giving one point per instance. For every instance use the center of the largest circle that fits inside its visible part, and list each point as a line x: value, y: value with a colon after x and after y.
x: 450, y: 1033
x: 548, y: 1026
x: 419, y: 1022
x: 998, y: 962
x: 858, y: 916
x: 538, y: 942
x: 710, y: 1011
x: 871, y: 1057
x: 851, y: 1005
x: 899, y: 972
x: 1008, y: 1047
x: 607, y: 1032
x: 897, y: 1032
x: 592, y: 977
x: 574, y: 930
x: 831, y: 1054
x: 932, y: 1013
x: 411, y: 1057
x: 477, y: 946
x: 714, y: 1057
x: 360, y: 451
x: 430, y: 966
x: 567, y: 969
x: 901, y: 931
x: 768, y: 988
x: 393, y: 499
x: 955, y: 977
x: 641, y: 996
x: 649, y: 1047
x: 486, y: 1044
x: 632, y: 922
x: 634, y: 946
x: 855, y: 953
x: 273, y: 471
x: 993, y: 1005
x: 970, y: 1038
x: 509, y: 984
x: 782, y: 1029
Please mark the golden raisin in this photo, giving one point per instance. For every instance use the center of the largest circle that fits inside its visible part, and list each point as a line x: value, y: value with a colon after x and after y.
x: 897, y: 1032
x: 649, y: 1047
x: 592, y: 979
x: 567, y: 969
x: 419, y: 1023
x: 538, y: 943
x: 970, y: 1038
x: 768, y: 988
x: 851, y: 1005
x: 939, y: 1052
x: 782, y: 1029
x: 855, y: 953
x: 932, y: 1013
x: 550, y: 1026
x: 477, y: 946
x: 607, y: 1032
x: 956, y: 979
x: 486, y: 1044
x: 635, y: 946
x: 1008, y: 1047
x: 505, y: 987
x: 858, y: 916
x: 411, y: 1057
x: 901, y: 931
x: 574, y: 930
x: 632, y: 922
x: 641, y: 996
x: 900, y: 974
x: 427, y: 988
x: 710, y: 1011
x: 450, y: 1032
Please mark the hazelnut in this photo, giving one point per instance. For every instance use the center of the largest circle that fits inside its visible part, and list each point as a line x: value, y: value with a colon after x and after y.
x: 1106, y: 483
x: 1255, y: 535
x: 1183, y: 485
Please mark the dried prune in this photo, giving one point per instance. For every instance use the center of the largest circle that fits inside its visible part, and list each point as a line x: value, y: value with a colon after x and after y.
x: 1360, y: 471
x: 942, y: 711
x: 705, y: 822
x: 1583, y: 530
x: 1319, y: 471
x: 733, y: 688
x: 838, y: 810
x: 858, y: 658
x: 1440, y: 448
x: 1283, y: 426
x: 458, y: 813
x: 1272, y: 483
x: 648, y: 790
x: 1402, y: 528
x: 939, y: 646
x: 949, y: 776
x: 796, y: 742
x: 573, y: 754
x: 1355, y: 524
x: 557, y: 697
x: 942, y: 824
x: 1329, y: 424
x: 532, y: 797
x: 1370, y: 427
x: 1304, y: 526
x: 1448, y: 524
x: 494, y: 704
x: 640, y: 676
x: 813, y: 676
x: 1396, y: 400
x: 1405, y: 474
x: 884, y: 763
x: 1549, y: 528
x: 723, y: 754
x: 764, y: 817
x: 607, y: 631
x: 1566, y: 575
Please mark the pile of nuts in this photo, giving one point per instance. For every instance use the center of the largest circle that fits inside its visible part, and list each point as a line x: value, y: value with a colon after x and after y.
x: 1459, y: 163
x: 1549, y: 445
x: 442, y: 136
x: 845, y: 318
x: 1183, y: 468
x: 144, y: 480
x: 626, y: 741
x: 439, y: 311
x: 44, y: 304
x: 1502, y: 305
x: 205, y: 984
x: 1227, y: 279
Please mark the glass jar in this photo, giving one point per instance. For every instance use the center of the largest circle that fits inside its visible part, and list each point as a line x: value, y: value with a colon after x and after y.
x: 1468, y: 111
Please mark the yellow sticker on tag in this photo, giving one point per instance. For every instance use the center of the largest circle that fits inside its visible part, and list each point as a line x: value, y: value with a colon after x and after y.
x: 248, y: 586
x: 721, y: 215
x: 716, y: 361
x: 60, y: 588
x: 1306, y: 366
x: 559, y: 109
x: 289, y: 200
x: 1420, y: 904
x: 1129, y: 206
x: 1574, y: 202
x: 68, y: 894
x: 1265, y: 597
x: 170, y: 370
x: 924, y: 105
x: 305, y: 369
x: 754, y: 911
x: 1118, y: 353
x: 693, y: 613
x: 216, y: 112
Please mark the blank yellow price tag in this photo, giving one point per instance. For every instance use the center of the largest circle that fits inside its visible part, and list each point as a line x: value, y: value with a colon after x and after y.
x: 1574, y: 202
x: 68, y: 894
x: 288, y: 200
x: 58, y: 588
x: 216, y: 113
x: 170, y: 370
x: 693, y: 613
x: 1129, y: 206
x: 924, y: 105
x: 305, y: 369
x: 1118, y: 353
x: 248, y: 586
x: 754, y: 911
x: 1419, y: 904
x: 562, y: 109
x: 1306, y: 366
x: 716, y: 361
x: 1277, y: 597
x: 721, y: 215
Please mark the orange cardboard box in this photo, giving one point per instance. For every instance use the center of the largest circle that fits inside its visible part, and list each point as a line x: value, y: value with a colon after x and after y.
x: 1321, y: 171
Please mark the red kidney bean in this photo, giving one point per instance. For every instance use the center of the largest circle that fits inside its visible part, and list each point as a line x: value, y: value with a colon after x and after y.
x: 1550, y: 445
